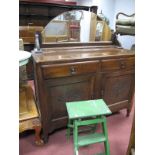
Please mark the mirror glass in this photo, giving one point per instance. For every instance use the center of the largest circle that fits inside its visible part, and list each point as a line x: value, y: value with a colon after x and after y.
x: 76, y: 26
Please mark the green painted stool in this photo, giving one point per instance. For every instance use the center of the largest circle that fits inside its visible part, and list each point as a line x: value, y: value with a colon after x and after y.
x: 82, y: 113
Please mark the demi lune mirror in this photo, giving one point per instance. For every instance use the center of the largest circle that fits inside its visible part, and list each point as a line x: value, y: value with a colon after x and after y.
x: 76, y: 26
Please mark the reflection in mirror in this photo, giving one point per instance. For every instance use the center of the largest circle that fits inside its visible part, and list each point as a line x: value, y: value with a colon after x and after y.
x: 76, y: 26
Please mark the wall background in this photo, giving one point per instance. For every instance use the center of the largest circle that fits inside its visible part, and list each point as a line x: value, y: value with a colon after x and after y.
x: 128, y: 7
x: 110, y: 8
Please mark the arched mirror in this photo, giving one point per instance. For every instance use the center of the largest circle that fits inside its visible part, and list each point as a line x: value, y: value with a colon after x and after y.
x: 76, y: 26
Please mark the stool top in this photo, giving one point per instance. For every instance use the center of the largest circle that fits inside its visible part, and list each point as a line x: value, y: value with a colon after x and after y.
x: 88, y: 108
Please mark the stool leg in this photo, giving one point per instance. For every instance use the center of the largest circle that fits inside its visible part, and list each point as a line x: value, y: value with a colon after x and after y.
x: 106, y: 143
x: 68, y: 129
x: 75, y: 136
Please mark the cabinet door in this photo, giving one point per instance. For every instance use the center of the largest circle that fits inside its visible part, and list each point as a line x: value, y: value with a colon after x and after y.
x: 61, y: 90
x: 117, y: 89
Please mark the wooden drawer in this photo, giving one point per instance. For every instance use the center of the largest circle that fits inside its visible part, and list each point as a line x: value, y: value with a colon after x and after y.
x: 117, y: 64
x: 69, y: 69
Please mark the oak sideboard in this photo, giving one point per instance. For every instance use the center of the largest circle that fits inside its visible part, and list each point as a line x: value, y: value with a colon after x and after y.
x: 81, y: 72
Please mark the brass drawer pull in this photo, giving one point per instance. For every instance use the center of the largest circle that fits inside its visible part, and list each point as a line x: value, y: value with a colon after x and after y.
x: 73, y: 70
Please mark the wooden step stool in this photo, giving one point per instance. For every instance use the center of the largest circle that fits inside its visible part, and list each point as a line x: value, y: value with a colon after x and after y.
x: 83, y: 113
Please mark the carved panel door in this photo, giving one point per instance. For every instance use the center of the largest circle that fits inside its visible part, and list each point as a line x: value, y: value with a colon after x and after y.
x: 61, y: 90
x: 117, y: 89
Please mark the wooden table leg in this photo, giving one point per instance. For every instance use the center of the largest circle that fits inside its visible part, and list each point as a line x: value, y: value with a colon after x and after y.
x: 28, y: 116
x: 38, y: 140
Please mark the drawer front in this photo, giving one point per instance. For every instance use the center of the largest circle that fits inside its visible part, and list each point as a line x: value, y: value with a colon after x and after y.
x: 69, y: 69
x: 117, y: 64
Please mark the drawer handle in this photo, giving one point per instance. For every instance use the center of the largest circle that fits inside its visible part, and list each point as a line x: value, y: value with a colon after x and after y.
x: 73, y: 70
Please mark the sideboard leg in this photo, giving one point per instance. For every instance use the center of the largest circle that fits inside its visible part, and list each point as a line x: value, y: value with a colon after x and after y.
x: 45, y: 137
x: 128, y: 112
x: 131, y: 105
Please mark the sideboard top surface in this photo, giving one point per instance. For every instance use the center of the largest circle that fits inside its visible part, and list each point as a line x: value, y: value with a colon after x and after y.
x: 65, y: 54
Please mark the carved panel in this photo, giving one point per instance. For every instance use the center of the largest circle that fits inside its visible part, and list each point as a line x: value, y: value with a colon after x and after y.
x: 116, y: 87
x: 68, y: 90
